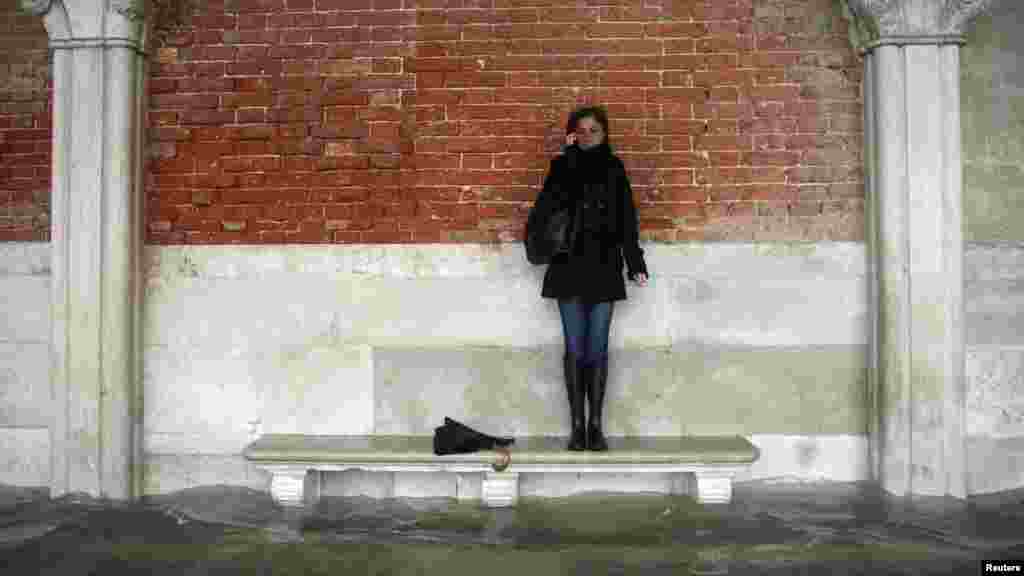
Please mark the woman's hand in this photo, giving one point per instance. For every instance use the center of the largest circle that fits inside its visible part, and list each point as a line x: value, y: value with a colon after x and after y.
x: 570, y: 138
x: 640, y: 279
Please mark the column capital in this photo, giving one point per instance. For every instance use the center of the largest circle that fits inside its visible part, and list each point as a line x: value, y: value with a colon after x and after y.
x: 86, y: 23
x: 878, y: 22
x: 36, y: 7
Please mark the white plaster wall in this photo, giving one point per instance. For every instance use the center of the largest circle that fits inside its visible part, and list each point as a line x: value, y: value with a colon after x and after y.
x: 994, y: 306
x: 24, y: 364
x: 281, y: 338
x: 241, y: 341
x: 437, y: 295
x: 245, y: 340
x: 994, y: 303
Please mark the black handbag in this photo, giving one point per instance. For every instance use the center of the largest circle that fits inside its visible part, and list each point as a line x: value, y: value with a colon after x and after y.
x: 546, y: 239
x: 457, y: 438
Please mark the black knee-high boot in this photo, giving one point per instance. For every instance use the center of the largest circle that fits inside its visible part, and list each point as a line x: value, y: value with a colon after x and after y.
x: 574, y: 388
x: 596, y: 380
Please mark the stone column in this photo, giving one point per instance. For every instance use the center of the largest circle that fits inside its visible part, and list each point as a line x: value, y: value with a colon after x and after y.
x: 915, y: 240
x: 98, y: 76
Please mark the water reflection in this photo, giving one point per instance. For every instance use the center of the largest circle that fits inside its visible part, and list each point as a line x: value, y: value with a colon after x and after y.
x: 765, y: 522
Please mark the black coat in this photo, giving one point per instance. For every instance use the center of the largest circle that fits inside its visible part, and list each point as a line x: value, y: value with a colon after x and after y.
x: 593, y: 181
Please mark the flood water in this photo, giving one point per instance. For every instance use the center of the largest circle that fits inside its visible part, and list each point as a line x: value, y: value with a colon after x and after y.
x: 770, y: 527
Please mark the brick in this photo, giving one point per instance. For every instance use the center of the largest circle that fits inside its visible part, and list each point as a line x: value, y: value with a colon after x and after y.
x: 763, y: 125
x: 631, y: 110
x: 387, y: 18
x: 720, y: 76
x: 680, y: 46
x: 250, y: 115
x: 812, y: 194
x: 774, y: 92
x: 830, y: 91
x: 722, y: 110
x: 208, y: 150
x: 804, y: 208
x: 675, y: 177
x: 294, y: 52
x: 771, y: 157
x: 254, y: 68
x: 260, y: 148
x: 381, y: 114
x: 730, y: 194
x: 723, y: 93
x: 721, y: 126
x: 676, y: 29
x: 675, y: 95
x: 190, y: 101
x: 434, y: 33
x: 471, y: 79
x: 629, y: 78
x: 614, y: 30
x: 846, y: 190
x: 384, y: 130
x: 724, y: 43
x: 526, y: 113
x: 170, y: 133
x: 206, y: 84
x: 770, y: 76
x: 673, y: 78
x: 162, y: 85
x: 246, y: 100
x: 226, y: 53
x: 722, y: 142
x: 437, y: 161
x: 209, y: 69
x: 723, y: 175
x: 846, y: 123
x: 574, y: 30
x: 208, y: 117
x: 291, y: 115
x: 26, y: 134
x: 617, y: 62
x: 674, y: 126
x: 387, y: 65
x: 769, y: 59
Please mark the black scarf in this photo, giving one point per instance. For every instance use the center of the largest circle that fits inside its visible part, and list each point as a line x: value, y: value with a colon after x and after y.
x: 590, y: 165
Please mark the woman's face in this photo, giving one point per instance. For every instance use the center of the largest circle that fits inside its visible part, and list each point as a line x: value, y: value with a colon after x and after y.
x: 589, y: 133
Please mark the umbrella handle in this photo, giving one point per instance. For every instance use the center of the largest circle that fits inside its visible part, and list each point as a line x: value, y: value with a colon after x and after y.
x: 504, y: 458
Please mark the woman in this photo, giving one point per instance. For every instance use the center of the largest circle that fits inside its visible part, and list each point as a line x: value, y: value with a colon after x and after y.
x: 588, y: 279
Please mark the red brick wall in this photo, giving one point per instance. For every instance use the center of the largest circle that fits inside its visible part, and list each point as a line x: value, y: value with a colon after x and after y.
x: 290, y: 121
x: 24, y: 127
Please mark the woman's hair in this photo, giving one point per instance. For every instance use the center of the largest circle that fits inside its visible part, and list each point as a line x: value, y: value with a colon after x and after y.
x: 598, y: 113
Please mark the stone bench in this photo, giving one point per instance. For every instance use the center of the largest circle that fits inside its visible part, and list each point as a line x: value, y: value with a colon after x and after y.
x: 702, y: 466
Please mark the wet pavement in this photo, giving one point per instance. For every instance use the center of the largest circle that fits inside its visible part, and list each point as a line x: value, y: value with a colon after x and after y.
x: 771, y: 527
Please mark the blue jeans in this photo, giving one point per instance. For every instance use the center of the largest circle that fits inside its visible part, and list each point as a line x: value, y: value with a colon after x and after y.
x: 586, y: 327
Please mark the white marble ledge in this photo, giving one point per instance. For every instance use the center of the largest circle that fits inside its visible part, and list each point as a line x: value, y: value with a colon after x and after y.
x: 711, y: 461
x: 625, y: 450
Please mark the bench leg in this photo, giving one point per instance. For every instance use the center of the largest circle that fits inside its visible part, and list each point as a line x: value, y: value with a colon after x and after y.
x: 316, y: 478
x: 500, y: 489
x: 465, y: 485
x: 288, y: 487
x: 683, y: 484
x: 714, y: 487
